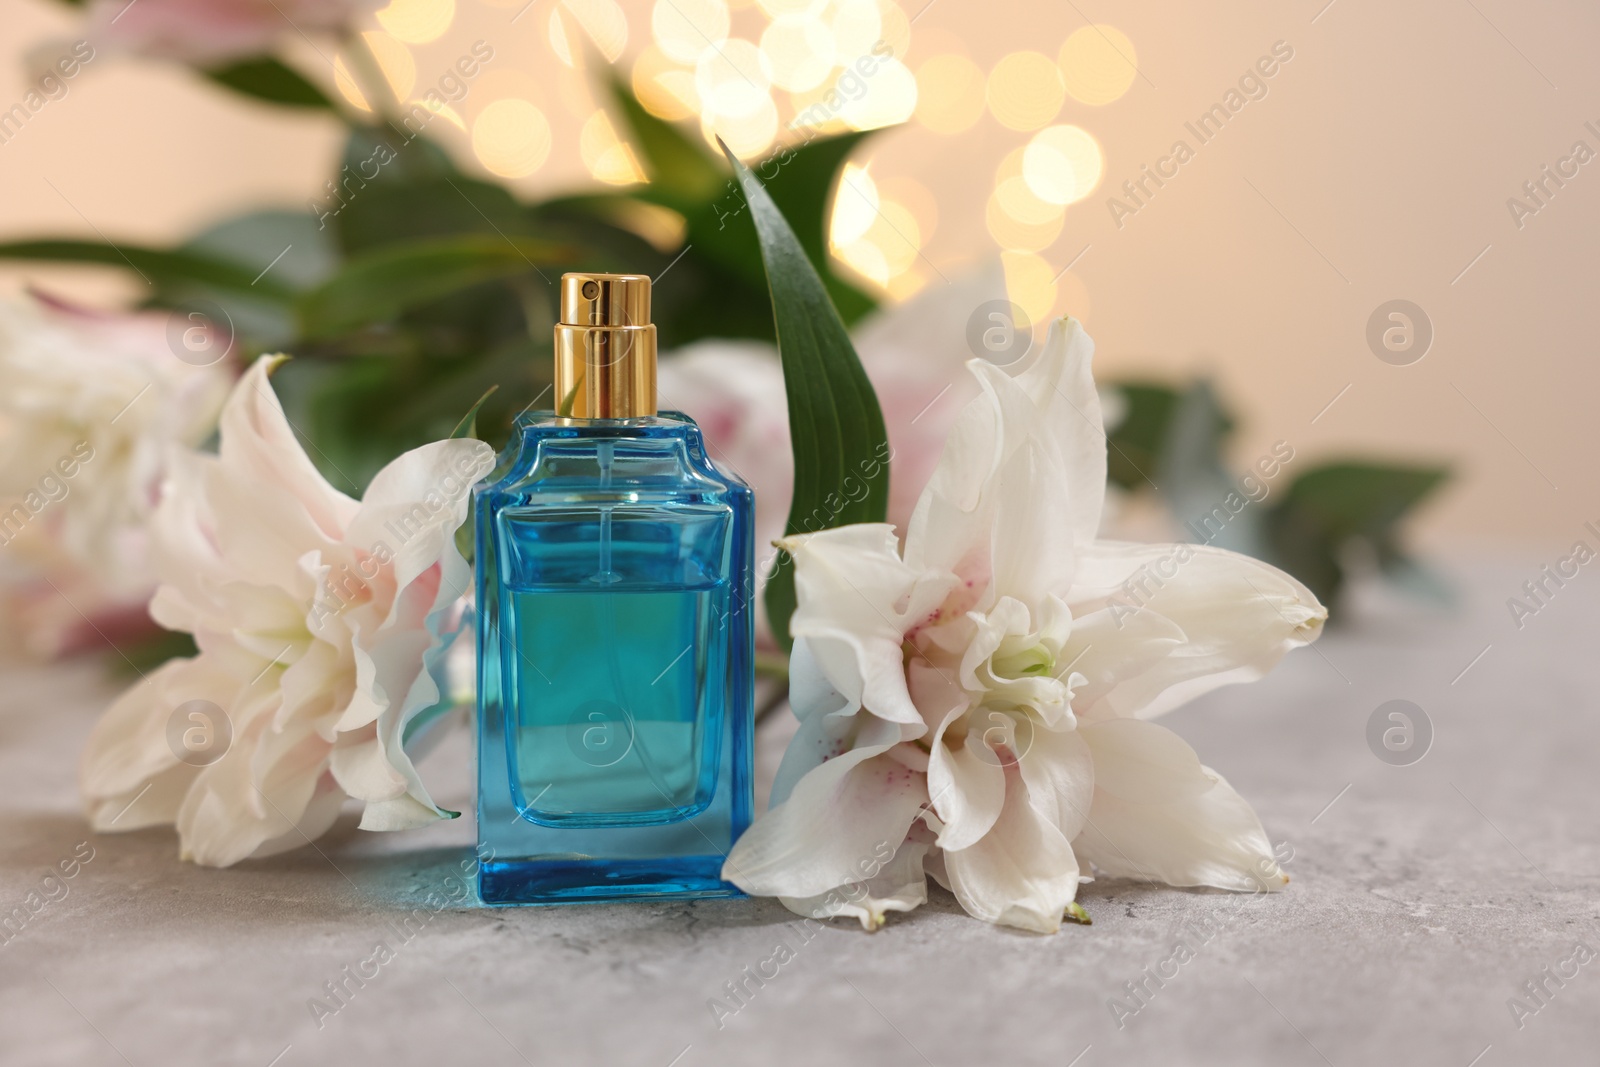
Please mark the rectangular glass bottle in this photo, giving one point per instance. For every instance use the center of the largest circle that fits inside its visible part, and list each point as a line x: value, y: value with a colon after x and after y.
x: 615, y: 573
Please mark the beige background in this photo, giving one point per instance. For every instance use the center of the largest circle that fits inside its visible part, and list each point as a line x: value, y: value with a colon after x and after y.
x: 1377, y: 167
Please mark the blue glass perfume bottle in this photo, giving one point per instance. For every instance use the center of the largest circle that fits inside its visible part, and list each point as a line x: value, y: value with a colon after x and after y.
x: 615, y: 570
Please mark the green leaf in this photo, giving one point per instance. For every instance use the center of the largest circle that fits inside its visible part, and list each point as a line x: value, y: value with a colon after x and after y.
x: 1194, y: 477
x: 679, y: 169
x: 377, y: 286
x: 801, y: 182
x: 159, y: 267
x: 803, y: 186
x: 145, y: 653
x: 267, y: 79
x: 288, y: 245
x: 1330, y: 507
x: 468, y: 426
x: 836, y: 429
x: 714, y: 289
x: 396, y: 185
x: 1138, y: 442
x: 1359, y: 499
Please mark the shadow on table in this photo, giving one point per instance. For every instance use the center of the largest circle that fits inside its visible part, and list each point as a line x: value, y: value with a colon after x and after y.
x: 348, y: 870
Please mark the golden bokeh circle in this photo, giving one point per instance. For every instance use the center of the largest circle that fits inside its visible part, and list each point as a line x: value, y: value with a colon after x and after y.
x: 511, y: 137
x: 799, y: 51
x: 1015, y: 235
x: 732, y: 79
x: 684, y: 29
x: 1062, y: 164
x: 950, y: 93
x: 417, y: 21
x: 664, y: 87
x: 890, y: 98
x: 748, y: 134
x: 1025, y: 91
x: 1098, y: 64
x: 1030, y: 283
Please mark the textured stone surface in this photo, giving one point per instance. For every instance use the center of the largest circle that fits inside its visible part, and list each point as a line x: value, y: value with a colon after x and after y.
x: 1423, y: 897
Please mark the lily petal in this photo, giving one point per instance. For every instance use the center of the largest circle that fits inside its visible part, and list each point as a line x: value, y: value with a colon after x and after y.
x: 1022, y: 477
x: 839, y: 817
x: 267, y: 502
x: 828, y: 722
x: 1061, y: 384
x: 1159, y: 815
x: 417, y: 501
x: 1059, y: 771
x: 857, y: 600
x: 901, y: 885
x: 967, y: 786
x: 1238, y: 617
x: 1023, y: 872
x: 129, y: 744
x: 259, y: 446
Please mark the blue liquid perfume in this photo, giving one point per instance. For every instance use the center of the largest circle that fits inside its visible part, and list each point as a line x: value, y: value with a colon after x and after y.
x: 615, y: 570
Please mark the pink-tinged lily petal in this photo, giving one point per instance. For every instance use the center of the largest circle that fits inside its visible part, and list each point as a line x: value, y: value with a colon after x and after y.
x: 1021, y: 873
x: 322, y: 626
x: 1238, y: 617
x: 916, y: 354
x: 95, y: 403
x: 828, y: 727
x: 836, y: 820
x: 210, y: 33
x: 256, y: 792
x: 418, y: 501
x: 268, y: 503
x: 1159, y: 815
x: 130, y: 747
x: 1005, y: 643
x: 857, y: 601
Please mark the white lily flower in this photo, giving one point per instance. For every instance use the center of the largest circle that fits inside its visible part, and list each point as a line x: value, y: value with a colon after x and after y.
x: 976, y: 706
x: 321, y: 622
x: 90, y: 404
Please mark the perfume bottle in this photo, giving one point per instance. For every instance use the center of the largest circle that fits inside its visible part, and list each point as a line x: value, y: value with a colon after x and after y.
x: 615, y: 570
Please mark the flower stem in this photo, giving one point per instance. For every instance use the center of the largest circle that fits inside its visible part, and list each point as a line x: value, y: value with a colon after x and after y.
x: 772, y: 665
x: 370, y: 79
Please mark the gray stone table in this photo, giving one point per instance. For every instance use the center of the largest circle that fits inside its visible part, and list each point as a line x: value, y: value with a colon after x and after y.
x: 1423, y: 898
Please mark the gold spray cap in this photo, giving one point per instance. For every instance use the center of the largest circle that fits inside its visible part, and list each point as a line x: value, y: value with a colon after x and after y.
x: 605, y: 348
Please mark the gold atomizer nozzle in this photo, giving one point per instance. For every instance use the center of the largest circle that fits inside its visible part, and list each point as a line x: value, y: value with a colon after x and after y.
x: 605, y: 348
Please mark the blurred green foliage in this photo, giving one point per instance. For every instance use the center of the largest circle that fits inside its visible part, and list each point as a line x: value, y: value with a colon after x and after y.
x: 409, y: 288
x: 413, y: 292
x: 1319, y: 523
